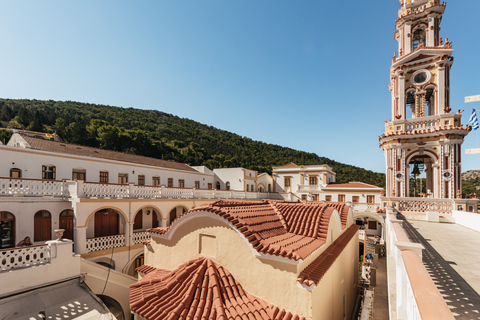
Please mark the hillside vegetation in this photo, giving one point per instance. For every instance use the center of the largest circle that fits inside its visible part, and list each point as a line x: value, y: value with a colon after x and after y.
x: 471, y: 182
x: 161, y: 135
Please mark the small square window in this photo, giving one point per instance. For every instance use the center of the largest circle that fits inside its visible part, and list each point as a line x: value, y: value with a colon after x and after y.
x: 399, y: 128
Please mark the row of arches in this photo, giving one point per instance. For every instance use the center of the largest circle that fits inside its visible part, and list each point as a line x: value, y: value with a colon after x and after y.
x: 42, y: 226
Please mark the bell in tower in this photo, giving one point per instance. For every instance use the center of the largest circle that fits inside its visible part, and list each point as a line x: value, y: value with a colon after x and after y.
x: 422, y: 140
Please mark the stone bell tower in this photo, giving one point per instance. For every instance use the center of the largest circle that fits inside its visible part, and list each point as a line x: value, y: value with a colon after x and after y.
x: 423, y: 134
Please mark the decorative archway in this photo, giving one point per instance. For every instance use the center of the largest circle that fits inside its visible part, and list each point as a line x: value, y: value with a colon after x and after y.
x: 421, y: 174
x: 176, y: 212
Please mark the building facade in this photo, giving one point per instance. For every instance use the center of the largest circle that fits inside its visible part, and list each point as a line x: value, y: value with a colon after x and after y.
x: 423, y: 134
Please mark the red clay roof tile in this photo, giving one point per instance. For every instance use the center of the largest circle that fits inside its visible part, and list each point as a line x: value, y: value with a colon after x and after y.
x: 314, y: 272
x: 199, y: 289
x: 352, y: 184
x: 292, y: 230
x: 73, y: 149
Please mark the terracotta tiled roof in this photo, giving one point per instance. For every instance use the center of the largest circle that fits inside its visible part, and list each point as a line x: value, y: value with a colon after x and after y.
x: 315, y: 271
x: 145, y: 269
x: 199, y: 289
x: 292, y: 230
x: 352, y: 184
x: 290, y: 164
x: 78, y: 150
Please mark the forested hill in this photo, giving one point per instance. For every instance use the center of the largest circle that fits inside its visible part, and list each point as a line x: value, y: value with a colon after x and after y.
x: 157, y: 134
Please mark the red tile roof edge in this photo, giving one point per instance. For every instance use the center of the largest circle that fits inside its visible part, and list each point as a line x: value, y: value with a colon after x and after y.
x: 199, y: 288
x: 269, y: 233
x: 86, y: 151
x: 314, y: 272
x: 352, y: 184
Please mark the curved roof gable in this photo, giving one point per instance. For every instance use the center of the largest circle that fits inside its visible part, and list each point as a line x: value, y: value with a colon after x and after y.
x: 292, y: 230
x: 198, y: 289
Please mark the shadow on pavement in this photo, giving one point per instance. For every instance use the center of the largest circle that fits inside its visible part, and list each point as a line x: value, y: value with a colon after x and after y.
x: 460, y: 297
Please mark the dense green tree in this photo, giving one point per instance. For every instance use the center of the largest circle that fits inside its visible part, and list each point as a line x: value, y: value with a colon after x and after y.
x: 157, y: 134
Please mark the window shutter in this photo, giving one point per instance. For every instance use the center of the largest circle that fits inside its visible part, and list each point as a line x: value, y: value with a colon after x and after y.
x: 43, y: 172
x: 53, y: 172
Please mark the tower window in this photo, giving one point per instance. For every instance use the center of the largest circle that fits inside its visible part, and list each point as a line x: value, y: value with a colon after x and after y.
x: 410, y: 101
x: 418, y: 39
x: 430, y: 102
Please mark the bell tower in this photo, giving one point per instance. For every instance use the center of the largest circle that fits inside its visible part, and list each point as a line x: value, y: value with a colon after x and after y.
x: 422, y: 141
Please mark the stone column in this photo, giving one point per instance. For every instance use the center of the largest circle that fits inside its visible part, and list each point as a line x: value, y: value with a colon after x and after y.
x: 80, y: 243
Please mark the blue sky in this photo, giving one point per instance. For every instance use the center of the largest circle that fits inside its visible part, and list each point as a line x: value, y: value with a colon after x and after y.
x: 310, y: 75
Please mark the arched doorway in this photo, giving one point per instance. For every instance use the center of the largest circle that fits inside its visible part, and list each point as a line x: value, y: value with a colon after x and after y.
x: 421, y: 177
x: 7, y: 230
x: 66, y: 222
x: 42, y: 230
x: 106, y: 222
x: 176, y: 212
x: 113, y: 305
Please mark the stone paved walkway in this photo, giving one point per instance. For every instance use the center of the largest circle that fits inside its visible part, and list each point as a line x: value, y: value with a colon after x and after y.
x: 452, y: 257
x: 380, y: 302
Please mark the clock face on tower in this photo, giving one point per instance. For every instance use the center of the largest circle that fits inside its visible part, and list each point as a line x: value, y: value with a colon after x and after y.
x: 420, y: 77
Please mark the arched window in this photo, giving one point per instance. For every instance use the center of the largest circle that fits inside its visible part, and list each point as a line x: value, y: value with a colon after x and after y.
x: 217, y: 185
x: 66, y: 223
x: 227, y: 185
x: 418, y: 38
x: 7, y: 230
x: 42, y: 230
x: 15, y: 173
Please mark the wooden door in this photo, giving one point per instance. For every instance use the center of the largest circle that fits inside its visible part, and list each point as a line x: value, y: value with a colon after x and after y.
x: 106, y: 223
x: 138, y: 222
x: 42, y: 226
x: 154, y: 219
x: 66, y: 223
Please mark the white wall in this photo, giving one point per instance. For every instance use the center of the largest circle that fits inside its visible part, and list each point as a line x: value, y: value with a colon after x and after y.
x: 467, y: 219
x: 31, y: 161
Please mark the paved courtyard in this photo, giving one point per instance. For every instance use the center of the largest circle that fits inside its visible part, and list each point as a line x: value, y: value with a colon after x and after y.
x: 452, y: 257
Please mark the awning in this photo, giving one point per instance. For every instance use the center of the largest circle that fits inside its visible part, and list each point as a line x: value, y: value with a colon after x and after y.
x: 71, y: 299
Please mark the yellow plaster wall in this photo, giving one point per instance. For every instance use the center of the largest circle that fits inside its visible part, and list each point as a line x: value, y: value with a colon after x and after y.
x: 273, y: 281
x: 339, y: 279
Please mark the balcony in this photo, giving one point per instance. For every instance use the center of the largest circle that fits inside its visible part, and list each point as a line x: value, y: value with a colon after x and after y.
x: 105, y: 243
x: 309, y: 187
x: 365, y: 207
x: 25, y: 257
x: 33, y: 188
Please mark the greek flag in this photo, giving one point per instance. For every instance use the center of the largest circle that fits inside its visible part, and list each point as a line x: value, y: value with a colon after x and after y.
x: 473, y: 120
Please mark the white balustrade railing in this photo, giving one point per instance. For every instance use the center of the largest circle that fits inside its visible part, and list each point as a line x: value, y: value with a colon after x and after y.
x: 365, y: 207
x: 146, y: 192
x: 309, y: 187
x: 31, y: 187
x: 177, y: 193
x: 425, y: 205
x: 421, y: 125
x: 24, y: 257
x: 139, y: 237
x: 106, y: 190
x: 104, y: 243
x: 82, y: 189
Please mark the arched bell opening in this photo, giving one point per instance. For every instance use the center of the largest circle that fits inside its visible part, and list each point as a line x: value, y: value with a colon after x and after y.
x: 421, y: 177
